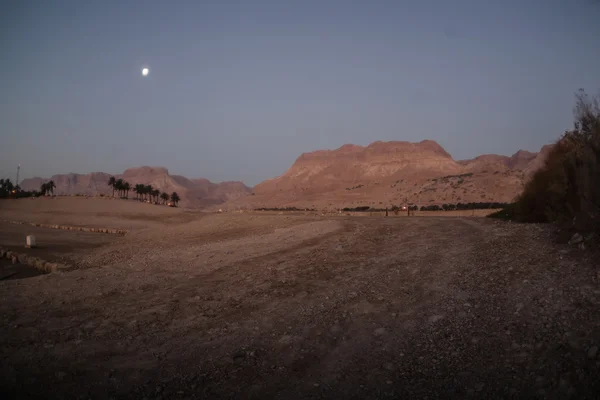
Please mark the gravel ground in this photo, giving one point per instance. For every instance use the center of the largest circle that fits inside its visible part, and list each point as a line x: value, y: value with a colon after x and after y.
x: 294, y: 307
x: 54, y: 245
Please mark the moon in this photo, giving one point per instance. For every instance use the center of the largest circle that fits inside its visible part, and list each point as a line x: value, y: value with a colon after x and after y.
x: 145, y: 71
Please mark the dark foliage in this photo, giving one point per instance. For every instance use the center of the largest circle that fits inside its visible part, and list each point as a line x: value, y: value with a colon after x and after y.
x: 566, y: 189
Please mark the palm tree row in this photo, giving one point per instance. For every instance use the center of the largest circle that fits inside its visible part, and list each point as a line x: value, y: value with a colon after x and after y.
x: 122, y: 187
x: 143, y: 192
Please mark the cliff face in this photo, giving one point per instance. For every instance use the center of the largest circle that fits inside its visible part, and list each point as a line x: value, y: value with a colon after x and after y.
x: 330, y: 169
x: 193, y: 192
x: 385, y: 173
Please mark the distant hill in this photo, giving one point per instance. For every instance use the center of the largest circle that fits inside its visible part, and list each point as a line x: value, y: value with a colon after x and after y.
x: 385, y: 173
x: 195, y: 193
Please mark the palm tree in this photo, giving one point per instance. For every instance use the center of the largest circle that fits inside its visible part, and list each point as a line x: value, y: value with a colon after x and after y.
x: 127, y: 188
x: 148, y: 191
x: 119, y: 186
x: 155, y: 194
x: 51, y: 186
x: 6, y: 187
x: 165, y: 197
x: 139, y: 190
x: 113, y: 183
x: 175, y: 198
x: 6, y: 184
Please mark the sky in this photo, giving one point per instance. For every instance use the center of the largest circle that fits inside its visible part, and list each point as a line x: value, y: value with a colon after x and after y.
x: 237, y: 90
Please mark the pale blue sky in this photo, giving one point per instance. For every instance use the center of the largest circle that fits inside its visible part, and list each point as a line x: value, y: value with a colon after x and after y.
x: 238, y: 89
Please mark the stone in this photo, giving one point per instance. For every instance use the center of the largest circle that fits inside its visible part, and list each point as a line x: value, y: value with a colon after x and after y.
x: 51, y: 267
x: 2, y: 253
x: 23, y: 259
x: 435, y: 318
x: 576, y: 238
x: 30, y: 241
x: 379, y: 331
x: 14, y: 259
x: 581, y: 246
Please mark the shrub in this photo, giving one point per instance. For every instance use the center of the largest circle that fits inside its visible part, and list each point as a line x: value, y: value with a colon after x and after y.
x: 565, y: 190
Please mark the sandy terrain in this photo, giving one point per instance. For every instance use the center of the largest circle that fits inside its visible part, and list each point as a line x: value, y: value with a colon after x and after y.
x: 192, y: 305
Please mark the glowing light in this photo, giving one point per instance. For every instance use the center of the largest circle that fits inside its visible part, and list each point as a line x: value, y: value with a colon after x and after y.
x: 145, y: 71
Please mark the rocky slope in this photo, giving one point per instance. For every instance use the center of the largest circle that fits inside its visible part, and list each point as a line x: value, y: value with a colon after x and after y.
x: 193, y: 192
x: 385, y: 173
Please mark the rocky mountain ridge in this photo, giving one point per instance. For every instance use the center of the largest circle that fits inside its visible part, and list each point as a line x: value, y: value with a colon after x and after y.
x: 194, y: 193
x: 385, y: 173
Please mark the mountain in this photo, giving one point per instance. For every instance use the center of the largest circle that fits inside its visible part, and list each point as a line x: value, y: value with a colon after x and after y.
x: 386, y: 173
x: 195, y: 193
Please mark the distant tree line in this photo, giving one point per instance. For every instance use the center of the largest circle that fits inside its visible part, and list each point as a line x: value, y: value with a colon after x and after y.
x: 283, y: 209
x: 431, y: 207
x: 142, y: 192
x: 9, y: 189
x: 464, y: 206
x: 395, y: 209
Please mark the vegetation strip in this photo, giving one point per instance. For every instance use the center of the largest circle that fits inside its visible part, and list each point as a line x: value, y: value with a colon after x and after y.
x: 34, y: 262
x: 71, y: 228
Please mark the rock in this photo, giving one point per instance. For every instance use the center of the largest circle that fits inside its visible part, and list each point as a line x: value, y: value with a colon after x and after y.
x: 61, y: 266
x: 379, y: 331
x: 23, y: 259
x: 8, y: 255
x: 592, y: 352
x: 51, y: 267
x: 14, y: 259
x: 2, y: 253
x: 576, y: 238
x: 40, y: 264
x: 581, y: 246
x: 435, y: 318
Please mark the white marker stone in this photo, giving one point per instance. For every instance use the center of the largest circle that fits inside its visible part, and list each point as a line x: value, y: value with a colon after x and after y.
x: 30, y: 241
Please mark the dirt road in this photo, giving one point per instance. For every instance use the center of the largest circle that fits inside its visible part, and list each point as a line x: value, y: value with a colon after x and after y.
x: 246, y: 306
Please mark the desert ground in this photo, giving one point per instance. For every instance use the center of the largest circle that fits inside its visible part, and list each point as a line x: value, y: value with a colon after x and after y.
x: 197, y: 305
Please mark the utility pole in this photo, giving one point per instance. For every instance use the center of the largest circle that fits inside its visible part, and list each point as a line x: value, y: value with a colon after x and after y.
x: 17, y: 183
